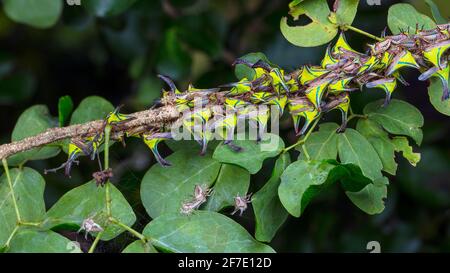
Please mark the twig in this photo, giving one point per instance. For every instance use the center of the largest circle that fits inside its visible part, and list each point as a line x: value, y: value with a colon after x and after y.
x: 142, y: 120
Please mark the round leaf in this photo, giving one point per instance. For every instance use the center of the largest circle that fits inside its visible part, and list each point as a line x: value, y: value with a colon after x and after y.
x: 232, y: 181
x: 354, y: 148
x: 65, y: 107
x: 28, y: 188
x: 322, y: 144
x: 346, y: 11
x: 40, y: 14
x: 380, y: 141
x: 164, y: 189
x: 139, y: 247
x: 86, y: 201
x: 399, y: 118
x: 243, y: 71
x: 91, y: 108
x: 320, y: 31
x: 269, y: 212
x: 31, y: 122
x: 301, y: 182
x: 202, y: 232
x: 405, y: 17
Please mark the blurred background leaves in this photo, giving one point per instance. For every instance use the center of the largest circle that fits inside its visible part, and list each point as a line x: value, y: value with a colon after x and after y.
x: 114, y: 49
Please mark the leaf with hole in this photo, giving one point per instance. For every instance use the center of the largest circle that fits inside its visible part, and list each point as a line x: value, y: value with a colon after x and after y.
x: 346, y: 11
x: 398, y: 118
x: 242, y: 71
x: 37, y: 241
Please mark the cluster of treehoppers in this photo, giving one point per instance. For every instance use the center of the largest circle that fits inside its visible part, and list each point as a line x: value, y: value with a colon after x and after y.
x: 307, y: 93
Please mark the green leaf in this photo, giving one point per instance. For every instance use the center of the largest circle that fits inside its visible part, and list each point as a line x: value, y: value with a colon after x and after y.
x: 103, y: 8
x: 139, y: 247
x: 380, y: 141
x: 31, y: 122
x: 436, y: 13
x: 65, y: 107
x: 232, y: 181
x: 40, y: 14
x: 354, y: 148
x: 91, y: 108
x: 253, y: 154
x: 86, y: 201
x: 28, y: 187
x: 35, y: 241
x: 346, y: 11
x: 371, y: 198
x: 405, y: 17
x: 164, y: 189
x: 269, y: 212
x: 350, y: 176
x: 301, y: 182
x: 399, y: 118
x: 202, y: 232
x: 435, y: 93
x: 322, y: 144
x: 320, y: 31
x: 242, y: 71
x: 401, y: 144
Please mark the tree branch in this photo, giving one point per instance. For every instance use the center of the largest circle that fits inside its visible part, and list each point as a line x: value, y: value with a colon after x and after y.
x: 142, y: 120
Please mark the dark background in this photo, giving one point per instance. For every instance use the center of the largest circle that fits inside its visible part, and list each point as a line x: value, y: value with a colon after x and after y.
x: 196, y: 41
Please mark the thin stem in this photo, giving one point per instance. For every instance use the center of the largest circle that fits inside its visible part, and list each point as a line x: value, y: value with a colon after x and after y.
x: 129, y: 229
x: 8, y: 177
x: 303, y: 140
x: 11, y: 236
x: 363, y: 32
x: 31, y: 224
x: 107, y: 185
x: 95, y: 243
x: 306, y: 153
